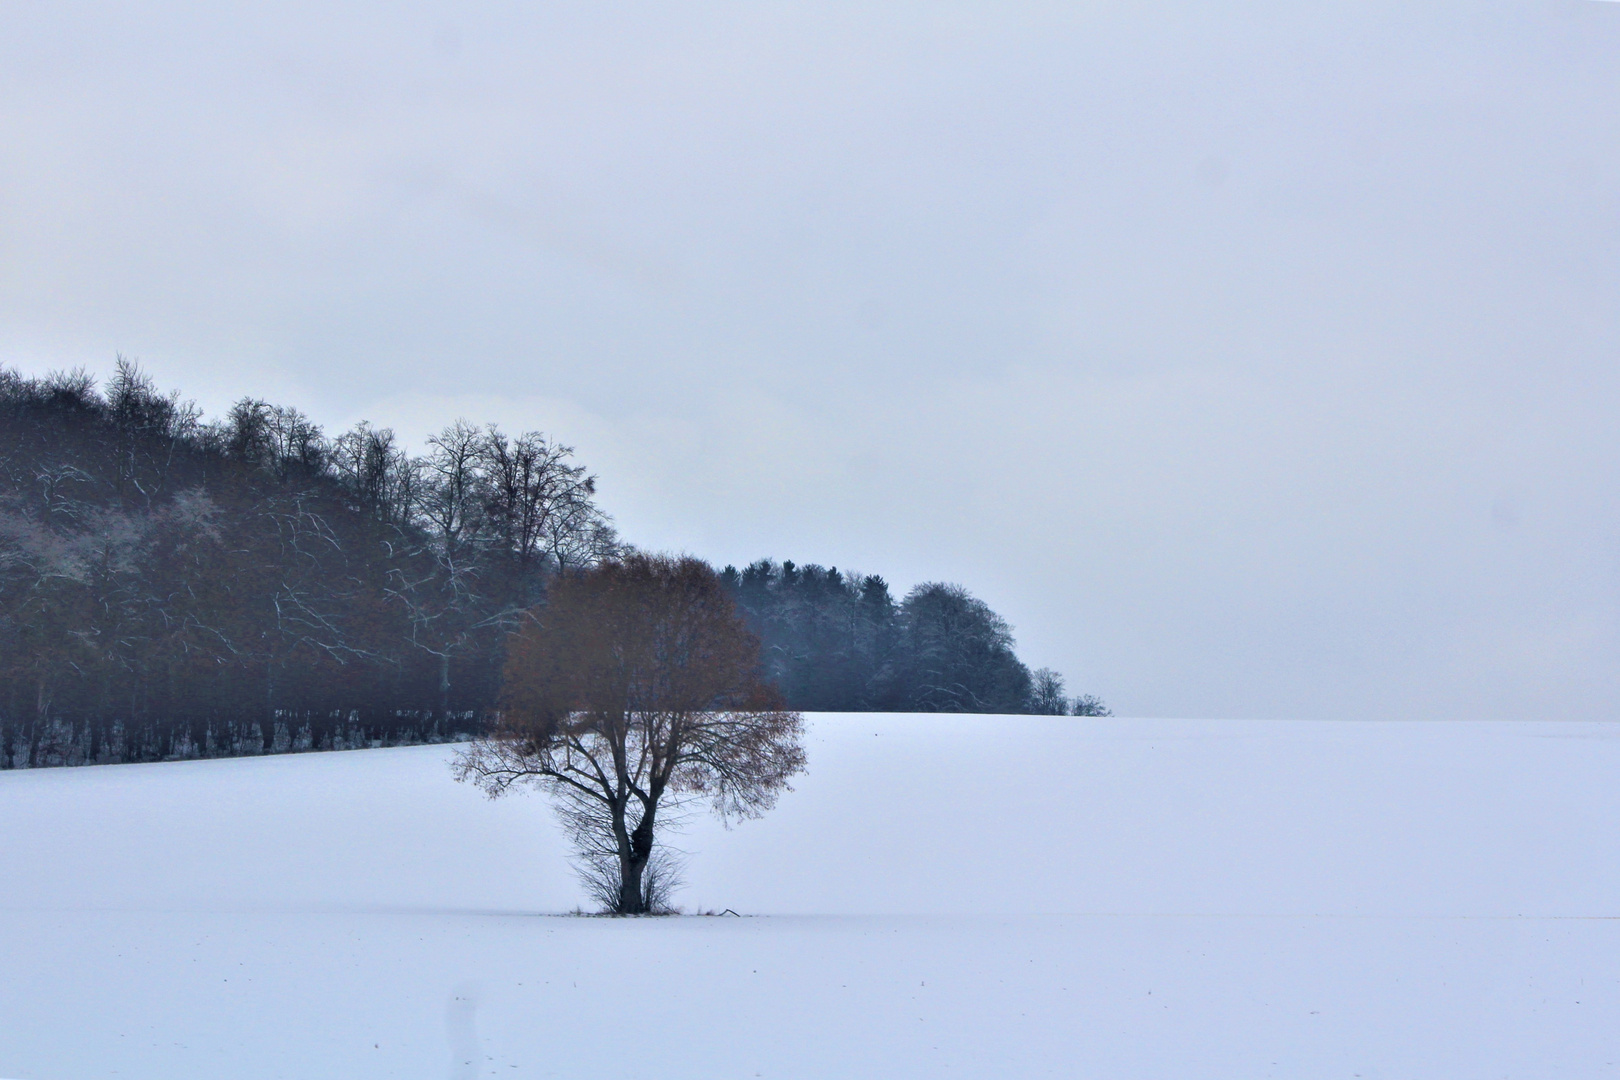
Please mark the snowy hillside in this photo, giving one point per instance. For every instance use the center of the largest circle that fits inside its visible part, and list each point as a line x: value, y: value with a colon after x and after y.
x: 942, y: 896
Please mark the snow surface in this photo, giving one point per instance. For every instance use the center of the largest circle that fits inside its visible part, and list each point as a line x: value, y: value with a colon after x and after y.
x: 941, y: 897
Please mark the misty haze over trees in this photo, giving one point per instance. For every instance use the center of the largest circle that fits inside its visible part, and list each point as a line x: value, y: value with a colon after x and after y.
x: 173, y: 587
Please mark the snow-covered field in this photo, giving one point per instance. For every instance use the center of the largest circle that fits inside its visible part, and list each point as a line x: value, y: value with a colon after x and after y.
x: 941, y: 897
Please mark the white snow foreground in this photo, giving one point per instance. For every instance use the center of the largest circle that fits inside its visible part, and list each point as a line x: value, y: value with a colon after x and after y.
x: 941, y: 897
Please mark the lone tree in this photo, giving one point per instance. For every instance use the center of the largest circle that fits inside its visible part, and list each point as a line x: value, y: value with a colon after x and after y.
x: 634, y: 689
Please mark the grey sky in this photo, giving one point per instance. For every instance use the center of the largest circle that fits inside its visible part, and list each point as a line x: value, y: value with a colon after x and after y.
x: 1251, y: 362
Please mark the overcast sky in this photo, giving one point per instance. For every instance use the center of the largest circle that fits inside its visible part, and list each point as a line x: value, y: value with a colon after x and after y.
x: 1252, y: 363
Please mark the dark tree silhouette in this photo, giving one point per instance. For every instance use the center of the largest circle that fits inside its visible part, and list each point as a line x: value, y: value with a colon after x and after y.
x: 171, y: 588
x: 1089, y: 705
x: 958, y: 654
x: 1046, y: 695
x: 837, y: 642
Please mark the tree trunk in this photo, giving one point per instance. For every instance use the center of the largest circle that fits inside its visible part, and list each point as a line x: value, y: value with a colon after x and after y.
x: 444, y: 690
x: 36, y: 732
x: 269, y: 707
x: 634, y: 852
x: 631, y: 902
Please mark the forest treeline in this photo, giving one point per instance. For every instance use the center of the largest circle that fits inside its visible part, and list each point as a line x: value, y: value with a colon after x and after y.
x: 840, y: 642
x: 174, y: 587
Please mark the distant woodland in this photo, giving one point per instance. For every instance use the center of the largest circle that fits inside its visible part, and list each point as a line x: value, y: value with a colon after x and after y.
x: 175, y: 587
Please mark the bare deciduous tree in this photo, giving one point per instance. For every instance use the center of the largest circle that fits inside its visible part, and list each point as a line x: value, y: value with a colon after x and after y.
x: 447, y: 588
x: 453, y: 497
x: 1089, y: 705
x: 1046, y: 696
x: 634, y: 690
x: 383, y: 481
